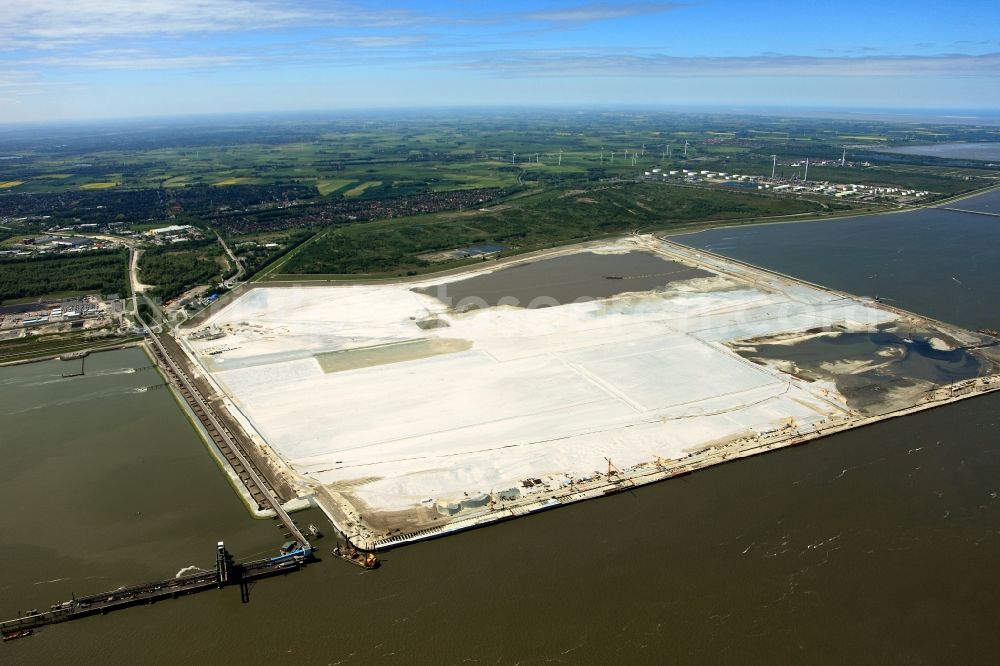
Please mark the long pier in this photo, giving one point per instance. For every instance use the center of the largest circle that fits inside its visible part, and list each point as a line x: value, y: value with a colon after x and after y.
x: 227, y: 572
x: 966, y: 210
x: 260, y: 488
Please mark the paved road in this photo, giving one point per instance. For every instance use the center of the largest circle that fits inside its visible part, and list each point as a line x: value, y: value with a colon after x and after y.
x: 240, y: 271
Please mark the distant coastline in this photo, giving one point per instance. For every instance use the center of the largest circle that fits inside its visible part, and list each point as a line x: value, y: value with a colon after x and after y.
x: 986, y: 150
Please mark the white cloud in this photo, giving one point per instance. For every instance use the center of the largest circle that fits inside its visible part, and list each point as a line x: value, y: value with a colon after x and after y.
x: 42, y: 23
x: 89, y: 19
x: 188, y: 34
x: 15, y: 84
x: 383, y: 41
x: 354, y: 51
x: 129, y: 60
x: 577, y: 63
x: 589, y: 13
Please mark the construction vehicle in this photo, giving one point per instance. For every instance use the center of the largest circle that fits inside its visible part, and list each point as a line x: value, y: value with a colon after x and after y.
x: 355, y: 556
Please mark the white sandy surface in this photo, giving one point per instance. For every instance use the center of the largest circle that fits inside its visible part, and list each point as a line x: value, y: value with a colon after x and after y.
x: 552, y: 391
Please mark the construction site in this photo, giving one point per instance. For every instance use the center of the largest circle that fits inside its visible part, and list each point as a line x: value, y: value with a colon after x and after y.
x: 413, y: 409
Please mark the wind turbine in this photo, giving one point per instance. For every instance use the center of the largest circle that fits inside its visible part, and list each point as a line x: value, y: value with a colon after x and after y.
x: 843, y: 157
x: 685, y: 148
x: 513, y: 156
x: 774, y: 165
x: 805, y: 179
x: 602, y: 154
x: 560, y: 158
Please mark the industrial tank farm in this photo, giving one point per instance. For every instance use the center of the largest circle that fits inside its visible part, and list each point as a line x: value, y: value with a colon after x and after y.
x: 412, y: 409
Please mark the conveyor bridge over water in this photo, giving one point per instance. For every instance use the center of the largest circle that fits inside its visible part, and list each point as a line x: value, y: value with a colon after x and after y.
x: 227, y: 572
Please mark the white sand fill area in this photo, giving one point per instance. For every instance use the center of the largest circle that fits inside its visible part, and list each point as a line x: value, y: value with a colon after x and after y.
x: 520, y: 393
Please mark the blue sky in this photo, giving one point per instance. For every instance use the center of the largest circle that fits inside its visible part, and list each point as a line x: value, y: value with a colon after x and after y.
x: 77, y: 59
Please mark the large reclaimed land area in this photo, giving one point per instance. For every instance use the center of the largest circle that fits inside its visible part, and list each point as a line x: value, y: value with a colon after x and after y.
x: 414, y: 408
x: 462, y: 370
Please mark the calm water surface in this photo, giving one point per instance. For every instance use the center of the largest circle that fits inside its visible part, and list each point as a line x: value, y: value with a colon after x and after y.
x: 939, y: 263
x: 562, y: 280
x: 987, y: 150
x: 874, y: 546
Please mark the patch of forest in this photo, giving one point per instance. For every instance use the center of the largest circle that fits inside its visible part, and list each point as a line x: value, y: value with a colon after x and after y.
x: 101, y: 206
x: 536, y: 221
x: 102, y: 272
x: 174, y: 269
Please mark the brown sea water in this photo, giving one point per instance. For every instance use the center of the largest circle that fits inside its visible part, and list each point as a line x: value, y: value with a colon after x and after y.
x: 877, y: 545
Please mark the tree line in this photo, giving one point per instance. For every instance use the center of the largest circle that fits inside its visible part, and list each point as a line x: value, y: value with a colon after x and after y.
x: 102, y: 272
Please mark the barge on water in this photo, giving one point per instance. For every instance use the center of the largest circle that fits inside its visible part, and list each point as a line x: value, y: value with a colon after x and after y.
x: 360, y: 558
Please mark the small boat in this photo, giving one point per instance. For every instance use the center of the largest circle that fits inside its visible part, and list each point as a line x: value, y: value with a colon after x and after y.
x: 18, y: 633
x: 355, y: 556
x: 314, y: 532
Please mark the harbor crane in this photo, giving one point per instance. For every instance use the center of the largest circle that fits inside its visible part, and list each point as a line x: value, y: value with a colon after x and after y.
x: 613, y: 469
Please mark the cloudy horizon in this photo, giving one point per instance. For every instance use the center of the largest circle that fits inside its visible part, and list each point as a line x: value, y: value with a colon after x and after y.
x: 131, y: 58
